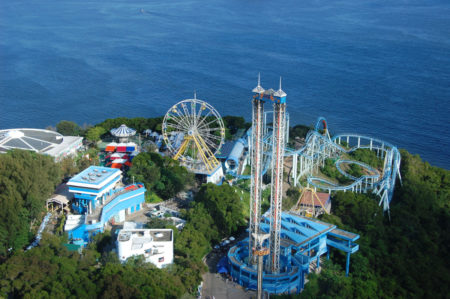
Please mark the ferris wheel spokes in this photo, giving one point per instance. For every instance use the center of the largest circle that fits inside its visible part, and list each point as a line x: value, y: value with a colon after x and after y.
x: 201, y: 129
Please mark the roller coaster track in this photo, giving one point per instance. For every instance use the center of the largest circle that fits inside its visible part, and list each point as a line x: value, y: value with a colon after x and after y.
x: 319, y: 146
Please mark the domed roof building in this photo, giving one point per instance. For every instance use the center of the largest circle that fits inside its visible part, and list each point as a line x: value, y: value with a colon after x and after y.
x: 41, y: 141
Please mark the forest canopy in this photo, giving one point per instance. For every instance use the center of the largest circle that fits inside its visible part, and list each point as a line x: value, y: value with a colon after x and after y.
x: 404, y: 257
x: 402, y: 254
x: 27, y: 179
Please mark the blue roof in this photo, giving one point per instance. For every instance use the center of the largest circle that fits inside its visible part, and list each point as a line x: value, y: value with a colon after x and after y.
x: 298, y: 228
x: 225, y: 150
x: 94, y: 175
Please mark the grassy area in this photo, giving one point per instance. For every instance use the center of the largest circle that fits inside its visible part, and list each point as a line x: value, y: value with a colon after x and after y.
x: 243, y: 189
x: 367, y: 156
x: 247, y: 170
x: 152, y: 197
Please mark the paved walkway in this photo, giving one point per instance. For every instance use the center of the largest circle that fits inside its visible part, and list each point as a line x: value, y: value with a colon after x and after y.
x: 217, y: 287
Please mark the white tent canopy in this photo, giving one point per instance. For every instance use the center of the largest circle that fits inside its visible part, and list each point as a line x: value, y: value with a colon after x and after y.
x: 123, y: 131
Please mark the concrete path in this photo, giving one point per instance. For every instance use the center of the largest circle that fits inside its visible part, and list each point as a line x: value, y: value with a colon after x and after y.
x: 217, y: 287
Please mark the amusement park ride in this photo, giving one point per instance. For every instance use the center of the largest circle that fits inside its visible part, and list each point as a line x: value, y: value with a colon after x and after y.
x: 201, y: 132
x: 281, y: 245
x: 267, y: 149
x: 319, y: 147
x: 256, y: 237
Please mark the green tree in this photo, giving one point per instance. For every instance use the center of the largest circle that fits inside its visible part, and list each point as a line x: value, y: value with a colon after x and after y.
x: 224, y: 206
x: 200, y: 218
x: 93, y: 134
x: 191, y: 244
x: 292, y: 197
x: 68, y: 128
x: 367, y: 156
x: 27, y: 179
x: 68, y: 167
x: 233, y: 124
x: 298, y: 131
x: 162, y: 175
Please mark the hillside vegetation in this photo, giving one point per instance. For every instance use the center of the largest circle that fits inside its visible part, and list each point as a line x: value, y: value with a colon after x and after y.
x: 406, y: 257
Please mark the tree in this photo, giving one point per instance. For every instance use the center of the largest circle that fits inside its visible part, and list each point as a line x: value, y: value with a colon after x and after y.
x: 224, y: 206
x: 68, y: 167
x: 399, y: 257
x: 199, y: 217
x: 139, y: 123
x: 292, y: 197
x: 93, y: 134
x: 299, y: 131
x: 27, y: 179
x: 191, y: 244
x: 367, y: 156
x: 233, y: 124
x: 68, y: 128
x: 162, y: 175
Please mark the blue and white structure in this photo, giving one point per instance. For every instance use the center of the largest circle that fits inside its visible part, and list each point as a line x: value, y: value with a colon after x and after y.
x: 202, y: 131
x: 123, y: 133
x: 91, y: 187
x: 99, y: 199
x: 308, y: 160
x: 302, y: 242
x: 232, y: 161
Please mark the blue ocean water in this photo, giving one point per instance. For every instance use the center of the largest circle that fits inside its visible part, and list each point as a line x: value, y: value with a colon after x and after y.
x: 380, y: 68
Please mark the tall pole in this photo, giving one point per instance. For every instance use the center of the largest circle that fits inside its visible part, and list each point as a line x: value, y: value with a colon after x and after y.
x: 278, y: 144
x: 256, y: 170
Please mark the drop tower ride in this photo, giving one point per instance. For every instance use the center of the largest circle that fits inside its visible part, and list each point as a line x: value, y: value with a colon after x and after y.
x: 256, y: 250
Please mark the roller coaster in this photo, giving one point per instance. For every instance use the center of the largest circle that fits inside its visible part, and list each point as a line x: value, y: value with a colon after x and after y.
x: 319, y: 146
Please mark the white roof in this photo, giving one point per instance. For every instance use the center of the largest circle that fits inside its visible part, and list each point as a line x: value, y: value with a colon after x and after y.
x: 258, y: 89
x: 37, y: 140
x: 280, y: 93
x: 123, y: 131
x: 119, y: 161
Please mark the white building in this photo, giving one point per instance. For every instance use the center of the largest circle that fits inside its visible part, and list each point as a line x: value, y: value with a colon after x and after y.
x: 215, y: 176
x: 156, y: 245
x: 41, y: 141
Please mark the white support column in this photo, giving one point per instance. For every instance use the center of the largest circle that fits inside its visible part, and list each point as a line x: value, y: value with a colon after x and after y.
x: 256, y: 174
x: 294, y: 168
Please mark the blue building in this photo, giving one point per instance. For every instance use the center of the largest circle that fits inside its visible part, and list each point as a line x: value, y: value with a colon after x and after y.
x: 99, y: 199
x: 303, y: 242
x: 91, y: 187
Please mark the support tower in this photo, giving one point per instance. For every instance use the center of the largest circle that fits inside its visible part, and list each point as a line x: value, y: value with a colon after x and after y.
x: 278, y: 143
x: 256, y: 169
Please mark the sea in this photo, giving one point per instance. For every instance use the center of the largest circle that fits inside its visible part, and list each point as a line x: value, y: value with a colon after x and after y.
x: 375, y: 67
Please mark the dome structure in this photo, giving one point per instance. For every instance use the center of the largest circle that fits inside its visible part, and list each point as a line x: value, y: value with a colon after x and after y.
x: 40, y: 141
x: 123, y: 131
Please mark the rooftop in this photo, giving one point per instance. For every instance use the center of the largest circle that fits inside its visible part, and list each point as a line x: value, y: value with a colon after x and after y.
x: 29, y: 139
x: 96, y: 176
x: 226, y: 149
x: 146, y: 235
x: 296, y: 229
x: 319, y: 201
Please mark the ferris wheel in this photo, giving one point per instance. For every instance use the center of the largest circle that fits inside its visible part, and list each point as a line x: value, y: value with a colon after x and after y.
x: 194, y: 132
